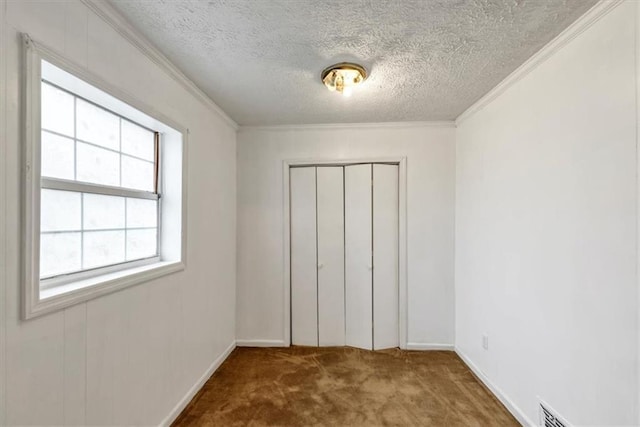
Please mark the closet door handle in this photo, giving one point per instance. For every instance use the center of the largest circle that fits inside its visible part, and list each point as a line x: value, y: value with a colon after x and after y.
x: 370, y: 267
x: 320, y: 265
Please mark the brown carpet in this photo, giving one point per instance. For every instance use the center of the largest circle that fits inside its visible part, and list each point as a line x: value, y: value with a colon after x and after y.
x: 342, y: 386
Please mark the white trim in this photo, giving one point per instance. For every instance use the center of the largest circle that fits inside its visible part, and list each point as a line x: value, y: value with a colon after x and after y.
x: 261, y: 343
x: 333, y: 126
x: 121, y: 25
x: 594, y: 14
x: 92, y: 276
x: 402, y: 237
x: 403, y: 256
x: 286, y: 250
x: 37, y: 301
x: 83, y: 187
x: 419, y: 346
x: 637, y: 52
x: 54, y: 299
x: 182, y: 404
x: 30, y: 182
x: 498, y: 393
x: 3, y: 211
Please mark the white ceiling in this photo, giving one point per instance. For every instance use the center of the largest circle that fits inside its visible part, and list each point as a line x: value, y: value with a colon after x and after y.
x: 260, y: 60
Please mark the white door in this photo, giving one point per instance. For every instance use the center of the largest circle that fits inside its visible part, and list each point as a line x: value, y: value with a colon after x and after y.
x: 330, y: 217
x: 358, y: 259
x: 385, y: 256
x: 304, y: 286
x: 344, y: 256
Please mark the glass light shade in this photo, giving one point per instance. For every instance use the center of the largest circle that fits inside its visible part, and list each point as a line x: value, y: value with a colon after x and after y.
x: 343, y: 77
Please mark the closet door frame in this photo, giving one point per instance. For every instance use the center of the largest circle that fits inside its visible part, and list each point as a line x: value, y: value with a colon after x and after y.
x: 402, y: 235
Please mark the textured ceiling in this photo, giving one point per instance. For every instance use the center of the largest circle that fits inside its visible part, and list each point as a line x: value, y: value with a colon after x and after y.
x: 260, y: 60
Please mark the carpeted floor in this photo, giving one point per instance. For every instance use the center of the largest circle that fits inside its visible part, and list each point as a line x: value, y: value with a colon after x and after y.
x: 342, y: 386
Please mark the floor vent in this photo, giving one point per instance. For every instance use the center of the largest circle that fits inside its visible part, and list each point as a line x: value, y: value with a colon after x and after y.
x: 548, y: 417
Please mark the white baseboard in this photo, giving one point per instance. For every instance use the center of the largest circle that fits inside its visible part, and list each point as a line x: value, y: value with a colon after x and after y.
x: 508, y: 403
x: 429, y: 346
x: 175, y: 412
x: 409, y: 346
x: 261, y: 343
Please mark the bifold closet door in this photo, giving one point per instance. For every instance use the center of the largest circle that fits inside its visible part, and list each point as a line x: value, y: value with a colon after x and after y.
x: 344, y: 256
x: 358, y: 259
x: 330, y: 218
x: 304, y: 286
x: 385, y: 256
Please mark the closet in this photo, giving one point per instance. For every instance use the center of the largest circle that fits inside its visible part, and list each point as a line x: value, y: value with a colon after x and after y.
x: 344, y: 255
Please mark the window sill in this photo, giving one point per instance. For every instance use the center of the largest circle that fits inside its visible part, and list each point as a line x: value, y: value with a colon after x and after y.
x: 59, y: 297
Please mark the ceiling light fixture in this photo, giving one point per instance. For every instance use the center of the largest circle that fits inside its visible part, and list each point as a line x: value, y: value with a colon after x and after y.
x: 343, y: 77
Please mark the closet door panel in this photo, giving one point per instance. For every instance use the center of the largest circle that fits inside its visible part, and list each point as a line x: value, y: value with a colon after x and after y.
x: 304, y: 287
x: 358, y: 262
x: 385, y: 256
x: 330, y: 210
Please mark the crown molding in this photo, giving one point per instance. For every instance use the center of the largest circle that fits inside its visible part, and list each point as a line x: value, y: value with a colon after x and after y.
x: 593, y: 15
x: 111, y: 16
x: 337, y: 126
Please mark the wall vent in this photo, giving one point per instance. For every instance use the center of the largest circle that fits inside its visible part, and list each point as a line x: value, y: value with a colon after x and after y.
x: 550, y: 418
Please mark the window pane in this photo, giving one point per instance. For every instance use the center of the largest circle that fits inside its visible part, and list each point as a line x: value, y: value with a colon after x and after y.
x: 141, y: 244
x: 137, y: 174
x: 137, y: 141
x: 102, y: 212
x: 142, y: 213
x: 59, y: 253
x: 97, y: 125
x: 97, y: 166
x: 59, y: 210
x: 83, y: 142
x: 56, y: 156
x: 57, y: 110
x: 103, y: 248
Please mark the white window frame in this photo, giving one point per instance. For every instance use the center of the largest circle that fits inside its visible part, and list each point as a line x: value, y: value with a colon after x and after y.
x: 48, y: 295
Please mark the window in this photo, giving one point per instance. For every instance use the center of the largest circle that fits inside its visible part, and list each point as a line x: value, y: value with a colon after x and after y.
x: 104, y: 187
x: 99, y: 188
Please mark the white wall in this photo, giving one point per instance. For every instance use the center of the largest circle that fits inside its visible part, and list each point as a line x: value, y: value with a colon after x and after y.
x: 546, y: 231
x: 545, y: 237
x: 127, y: 358
x: 430, y: 152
